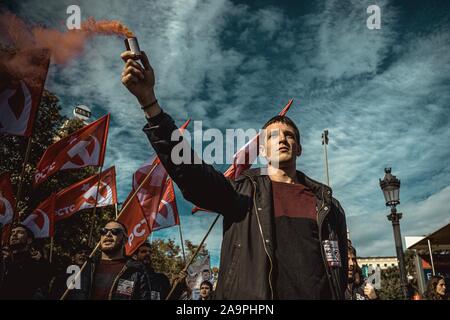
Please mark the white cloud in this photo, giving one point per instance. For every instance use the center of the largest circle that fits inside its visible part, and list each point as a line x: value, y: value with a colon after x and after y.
x: 383, y: 94
x: 372, y: 233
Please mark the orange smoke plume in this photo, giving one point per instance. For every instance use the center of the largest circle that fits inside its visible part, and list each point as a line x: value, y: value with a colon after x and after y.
x: 106, y: 27
x: 64, y: 46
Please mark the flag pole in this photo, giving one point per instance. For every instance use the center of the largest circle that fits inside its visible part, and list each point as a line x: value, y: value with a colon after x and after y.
x: 120, y: 213
x: 95, y: 206
x: 81, y: 270
x: 51, y: 249
x: 193, y: 256
x: 325, y: 144
x: 22, y: 179
x: 182, y: 242
x: 115, y: 210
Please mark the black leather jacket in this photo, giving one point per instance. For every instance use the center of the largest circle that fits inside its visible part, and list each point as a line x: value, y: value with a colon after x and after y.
x: 246, y: 261
x: 133, y: 271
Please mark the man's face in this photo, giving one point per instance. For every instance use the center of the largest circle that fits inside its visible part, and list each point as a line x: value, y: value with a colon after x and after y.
x: 280, y: 145
x: 351, y: 266
x: 19, y: 237
x: 112, y: 237
x: 191, y: 282
x: 80, y: 257
x: 440, y: 287
x: 206, y: 275
x: 144, y: 255
x: 204, y: 291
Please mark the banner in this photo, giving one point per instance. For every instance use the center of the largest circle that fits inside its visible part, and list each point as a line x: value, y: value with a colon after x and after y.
x: 85, y: 147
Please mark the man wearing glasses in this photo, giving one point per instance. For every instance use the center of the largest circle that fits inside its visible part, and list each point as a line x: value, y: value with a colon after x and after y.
x: 113, y: 276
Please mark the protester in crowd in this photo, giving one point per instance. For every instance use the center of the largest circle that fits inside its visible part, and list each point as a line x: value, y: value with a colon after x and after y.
x: 80, y: 255
x: 206, y: 275
x: 112, y: 276
x: 159, y: 283
x: 356, y: 288
x: 58, y: 284
x: 206, y: 288
x: 25, y: 274
x: 284, y: 233
x: 436, y: 289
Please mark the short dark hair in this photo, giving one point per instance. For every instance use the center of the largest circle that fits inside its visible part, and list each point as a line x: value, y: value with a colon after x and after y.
x: 209, y: 284
x: 285, y: 120
x: 30, y: 233
x: 121, y: 224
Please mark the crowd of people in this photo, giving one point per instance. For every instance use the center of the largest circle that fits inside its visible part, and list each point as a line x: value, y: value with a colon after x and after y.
x: 110, y: 275
x: 26, y: 273
x: 284, y: 234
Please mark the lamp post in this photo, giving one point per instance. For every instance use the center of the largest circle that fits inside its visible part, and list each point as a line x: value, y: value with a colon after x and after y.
x: 390, y: 186
x: 325, y: 143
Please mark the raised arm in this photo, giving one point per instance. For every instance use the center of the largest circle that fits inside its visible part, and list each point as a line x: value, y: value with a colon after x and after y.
x: 200, y: 183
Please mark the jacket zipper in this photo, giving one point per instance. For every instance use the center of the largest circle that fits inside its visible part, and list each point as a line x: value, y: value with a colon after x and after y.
x: 262, y: 237
x: 115, y: 281
x: 333, y: 280
x: 327, y: 267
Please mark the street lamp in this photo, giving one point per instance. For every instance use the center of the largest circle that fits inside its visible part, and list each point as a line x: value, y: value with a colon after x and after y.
x: 390, y: 186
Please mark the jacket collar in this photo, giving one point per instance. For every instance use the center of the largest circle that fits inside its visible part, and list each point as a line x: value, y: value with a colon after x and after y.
x: 318, y: 188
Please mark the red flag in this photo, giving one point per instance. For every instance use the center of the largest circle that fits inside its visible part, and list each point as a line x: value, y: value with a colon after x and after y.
x: 7, y: 200
x: 139, y: 215
x: 20, y: 95
x: 150, y: 194
x: 85, y: 147
x: 138, y: 230
x: 167, y: 215
x: 42, y: 220
x: 82, y: 195
x: 243, y: 159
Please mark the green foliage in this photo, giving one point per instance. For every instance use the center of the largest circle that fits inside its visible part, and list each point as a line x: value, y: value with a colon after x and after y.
x: 167, y: 257
x: 49, y: 127
x: 390, y: 279
x: 70, y: 233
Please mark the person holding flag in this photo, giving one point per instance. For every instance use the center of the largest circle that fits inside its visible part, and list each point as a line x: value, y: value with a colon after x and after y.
x: 357, y: 289
x: 284, y: 234
x: 112, y: 276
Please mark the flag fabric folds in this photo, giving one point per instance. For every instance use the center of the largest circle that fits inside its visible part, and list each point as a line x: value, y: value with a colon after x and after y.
x: 83, y: 194
x: 85, y: 147
x: 42, y: 220
x: 25, y: 73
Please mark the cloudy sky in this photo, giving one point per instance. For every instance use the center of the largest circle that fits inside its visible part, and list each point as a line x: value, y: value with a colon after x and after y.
x: 384, y: 95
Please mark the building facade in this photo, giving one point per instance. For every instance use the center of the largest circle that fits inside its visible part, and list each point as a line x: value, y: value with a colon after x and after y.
x: 381, y: 262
